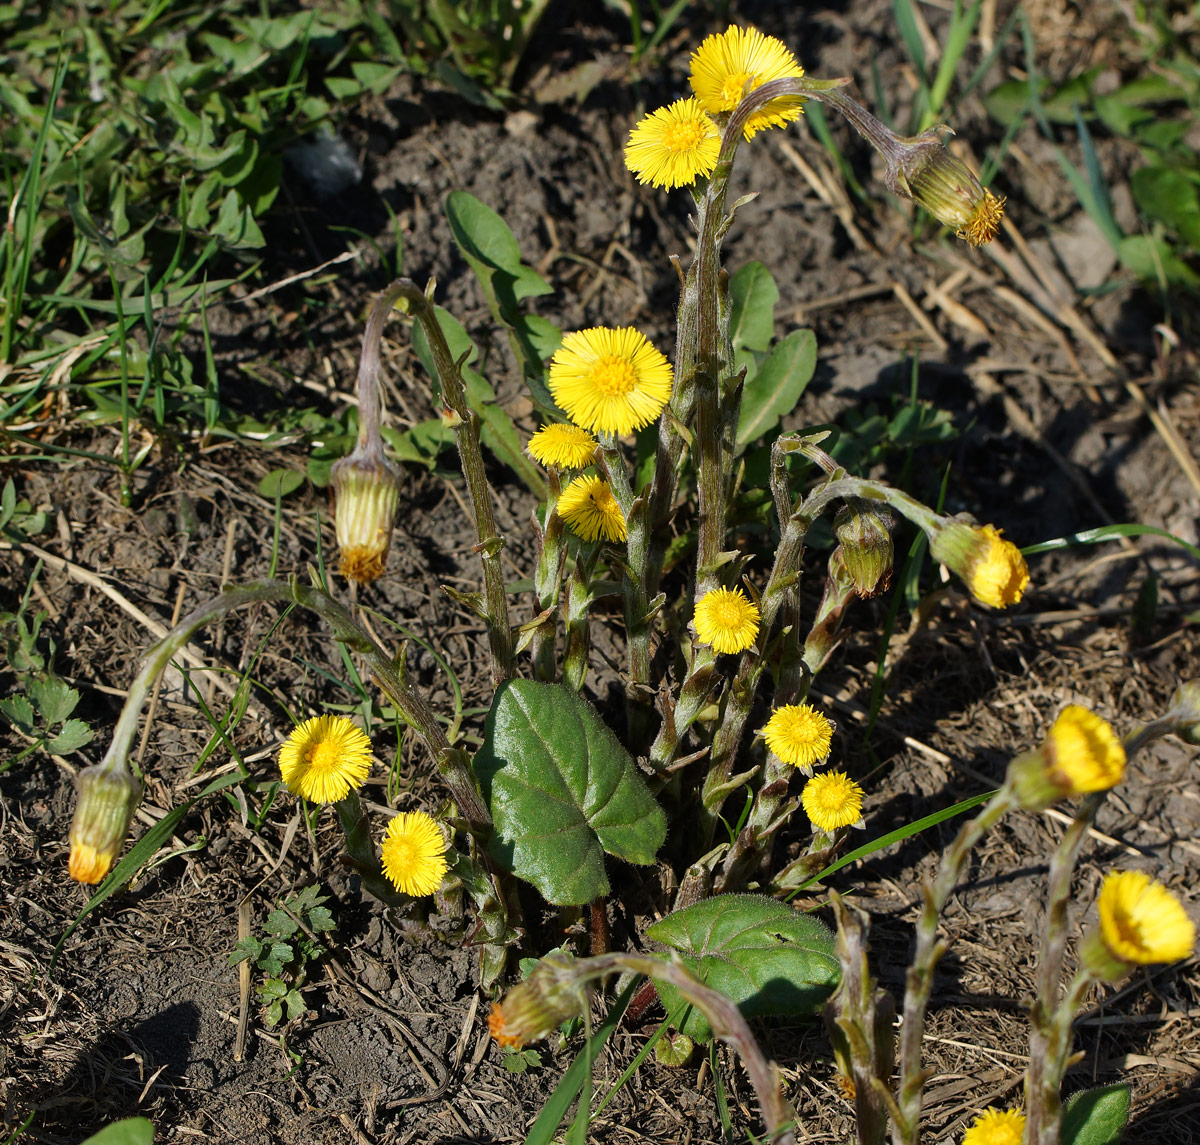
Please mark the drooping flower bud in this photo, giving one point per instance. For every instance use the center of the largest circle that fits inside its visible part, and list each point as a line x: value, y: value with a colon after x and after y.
x: 991, y: 567
x: 921, y: 168
x: 865, y: 532
x: 366, y: 488
x: 1185, y: 709
x: 106, y: 798
x: 536, y: 1007
x: 1081, y: 754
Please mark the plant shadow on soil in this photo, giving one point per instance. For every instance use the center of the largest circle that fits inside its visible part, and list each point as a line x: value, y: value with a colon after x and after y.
x: 140, y: 1012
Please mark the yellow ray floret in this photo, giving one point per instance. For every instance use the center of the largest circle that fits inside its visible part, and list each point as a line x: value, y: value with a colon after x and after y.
x: 832, y: 800
x: 591, y: 511
x: 728, y: 65
x: 324, y: 758
x: 562, y: 446
x: 996, y: 1127
x: 610, y: 381
x: 727, y: 619
x: 670, y: 147
x: 1141, y: 921
x: 414, y: 858
x: 798, y: 734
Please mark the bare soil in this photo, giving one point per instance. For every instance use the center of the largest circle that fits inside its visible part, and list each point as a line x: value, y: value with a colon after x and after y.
x: 139, y: 1012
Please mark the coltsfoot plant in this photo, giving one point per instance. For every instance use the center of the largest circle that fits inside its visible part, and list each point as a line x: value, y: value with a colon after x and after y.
x: 665, y: 485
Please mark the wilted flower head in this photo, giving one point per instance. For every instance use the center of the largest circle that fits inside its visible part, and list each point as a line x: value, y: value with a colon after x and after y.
x: 324, y: 758
x: 991, y: 567
x: 727, y: 619
x: 729, y: 65
x: 366, y: 489
x: 591, y: 511
x: 1082, y: 753
x: 107, y: 796
x: 1140, y: 922
x: 413, y: 853
x: 539, y: 1005
x: 673, y: 146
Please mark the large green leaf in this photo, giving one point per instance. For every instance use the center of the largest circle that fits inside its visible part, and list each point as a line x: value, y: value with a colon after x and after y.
x: 562, y: 792
x: 762, y: 954
x: 776, y: 387
x: 1096, y: 1116
x: 752, y: 298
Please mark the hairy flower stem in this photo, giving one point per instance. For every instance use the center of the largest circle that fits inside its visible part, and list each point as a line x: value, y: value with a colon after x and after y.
x: 360, y: 848
x: 457, y: 414
x: 579, y: 600
x: 727, y: 1023
x: 452, y: 762
x: 929, y: 951
x: 547, y: 582
x: 1051, y: 1020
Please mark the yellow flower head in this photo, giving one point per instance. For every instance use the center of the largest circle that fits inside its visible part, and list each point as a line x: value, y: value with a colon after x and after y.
x: 991, y: 567
x: 610, y: 381
x: 832, y: 800
x: 591, y: 511
x: 735, y: 61
x: 670, y: 147
x: 562, y: 446
x: 324, y: 758
x: 727, y: 619
x: 996, y: 1127
x: 1083, y: 752
x: 414, y: 858
x: 1141, y: 921
x: 799, y: 735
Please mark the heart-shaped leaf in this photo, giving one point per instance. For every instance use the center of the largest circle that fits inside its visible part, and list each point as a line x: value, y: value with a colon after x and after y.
x: 762, y: 954
x: 562, y: 792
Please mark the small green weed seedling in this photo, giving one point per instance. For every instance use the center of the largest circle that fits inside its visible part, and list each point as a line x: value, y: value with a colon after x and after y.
x: 286, y: 952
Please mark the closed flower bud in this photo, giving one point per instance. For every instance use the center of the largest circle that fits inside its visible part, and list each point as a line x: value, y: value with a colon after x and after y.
x: 366, y: 488
x: 924, y: 170
x: 991, y: 567
x: 536, y: 1007
x: 105, y: 802
x: 866, y: 551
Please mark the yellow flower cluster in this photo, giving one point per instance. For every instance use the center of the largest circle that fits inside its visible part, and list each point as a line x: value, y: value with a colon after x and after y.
x: 327, y: 757
x: 996, y: 1127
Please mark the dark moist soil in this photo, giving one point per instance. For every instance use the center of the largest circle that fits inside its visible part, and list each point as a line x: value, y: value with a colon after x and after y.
x: 139, y: 1012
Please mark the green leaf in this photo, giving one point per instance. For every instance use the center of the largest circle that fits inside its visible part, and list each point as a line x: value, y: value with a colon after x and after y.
x: 235, y: 224
x: 752, y: 298
x: 1096, y: 1116
x: 71, y: 737
x: 422, y: 444
x: 1152, y: 259
x: 1170, y: 196
x: 776, y: 387
x: 765, y: 956
x: 20, y: 711
x: 563, y: 792
x: 489, y: 246
x: 279, y: 483
x: 130, y: 1131
x: 54, y: 699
